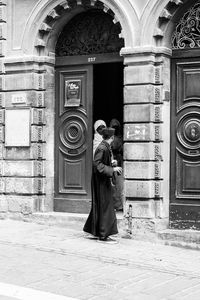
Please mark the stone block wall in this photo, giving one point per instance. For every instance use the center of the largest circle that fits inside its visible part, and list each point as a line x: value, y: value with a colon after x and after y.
x: 146, y: 188
x: 27, y: 174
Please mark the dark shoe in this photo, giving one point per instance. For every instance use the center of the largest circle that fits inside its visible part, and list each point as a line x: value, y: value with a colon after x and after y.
x: 90, y: 237
x: 107, y: 240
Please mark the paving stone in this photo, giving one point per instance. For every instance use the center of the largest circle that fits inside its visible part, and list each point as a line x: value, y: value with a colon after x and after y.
x: 186, y: 293
x: 172, y: 286
x: 64, y: 262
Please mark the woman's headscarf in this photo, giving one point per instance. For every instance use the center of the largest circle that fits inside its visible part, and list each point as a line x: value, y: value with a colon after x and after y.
x: 97, y: 137
x: 99, y: 123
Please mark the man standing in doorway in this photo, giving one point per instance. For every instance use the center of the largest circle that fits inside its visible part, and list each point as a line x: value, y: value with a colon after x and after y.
x: 102, y: 222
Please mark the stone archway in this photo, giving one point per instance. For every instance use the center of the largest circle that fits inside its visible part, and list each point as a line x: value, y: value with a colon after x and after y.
x: 39, y: 38
x: 87, y: 55
x: 47, y: 20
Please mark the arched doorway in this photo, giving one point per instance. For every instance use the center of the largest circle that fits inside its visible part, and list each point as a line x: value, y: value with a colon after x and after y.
x: 89, y: 86
x: 185, y: 122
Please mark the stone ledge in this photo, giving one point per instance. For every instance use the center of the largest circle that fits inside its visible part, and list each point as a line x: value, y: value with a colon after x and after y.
x: 180, y: 238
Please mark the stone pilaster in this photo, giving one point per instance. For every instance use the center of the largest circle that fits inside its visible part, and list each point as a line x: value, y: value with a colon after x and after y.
x: 144, y: 90
x: 3, y: 42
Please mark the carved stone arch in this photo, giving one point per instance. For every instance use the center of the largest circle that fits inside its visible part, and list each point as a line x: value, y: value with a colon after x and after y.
x: 159, y: 21
x: 168, y: 19
x: 47, y: 20
x: 90, y: 32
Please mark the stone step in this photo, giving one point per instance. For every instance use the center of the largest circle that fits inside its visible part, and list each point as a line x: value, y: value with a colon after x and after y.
x: 180, y: 238
x: 70, y: 220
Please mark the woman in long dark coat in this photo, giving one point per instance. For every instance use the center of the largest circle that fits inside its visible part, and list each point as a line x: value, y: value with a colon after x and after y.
x: 102, y: 220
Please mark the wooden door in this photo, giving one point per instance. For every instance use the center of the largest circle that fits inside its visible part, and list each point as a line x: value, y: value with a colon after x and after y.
x: 185, y: 144
x: 73, y: 138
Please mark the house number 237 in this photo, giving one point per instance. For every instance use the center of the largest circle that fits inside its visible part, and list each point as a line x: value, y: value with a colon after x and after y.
x: 91, y: 59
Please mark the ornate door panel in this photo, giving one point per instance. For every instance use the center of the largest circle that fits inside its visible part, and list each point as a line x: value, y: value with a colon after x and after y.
x: 185, y: 144
x: 73, y: 139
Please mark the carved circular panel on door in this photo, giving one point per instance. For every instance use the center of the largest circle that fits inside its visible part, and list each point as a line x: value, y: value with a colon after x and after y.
x: 192, y: 131
x: 188, y: 134
x: 73, y: 130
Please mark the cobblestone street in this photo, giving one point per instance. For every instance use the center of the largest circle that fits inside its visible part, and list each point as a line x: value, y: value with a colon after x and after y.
x: 63, y: 262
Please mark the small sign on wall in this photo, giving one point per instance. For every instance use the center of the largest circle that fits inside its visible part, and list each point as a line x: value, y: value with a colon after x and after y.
x: 17, y: 127
x: 72, y: 92
x: 19, y: 98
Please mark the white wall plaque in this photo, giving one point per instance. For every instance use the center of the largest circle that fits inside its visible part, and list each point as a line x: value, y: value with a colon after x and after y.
x: 17, y: 127
x: 19, y: 98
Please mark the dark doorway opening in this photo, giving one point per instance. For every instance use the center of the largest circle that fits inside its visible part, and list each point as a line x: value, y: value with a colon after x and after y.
x: 108, y: 92
x: 108, y: 105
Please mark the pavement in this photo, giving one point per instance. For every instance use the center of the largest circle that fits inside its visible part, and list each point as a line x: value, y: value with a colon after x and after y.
x: 46, y: 262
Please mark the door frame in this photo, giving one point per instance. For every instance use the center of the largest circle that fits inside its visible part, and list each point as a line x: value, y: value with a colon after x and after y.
x: 88, y: 59
x: 76, y: 61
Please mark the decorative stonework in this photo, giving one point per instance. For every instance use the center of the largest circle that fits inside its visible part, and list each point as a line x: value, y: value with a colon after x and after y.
x: 157, y: 170
x: 158, y: 113
x: 3, y: 24
x: 40, y: 99
x: 2, y: 82
x: 2, y: 185
x: 157, y: 152
x: 165, y: 17
x: 2, y: 113
x: 157, y: 189
x: 157, y: 75
x: 39, y: 168
x: 187, y: 32
x: 38, y: 116
x: 1, y: 150
x: 2, y: 133
x: 37, y: 134
x: 91, y: 32
x: 2, y: 13
x: 53, y: 14
x: 44, y: 27
x: 2, y: 100
x: 165, y: 14
x: 39, y: 81
x: 99, y: 39
x: 1, y: 168
x: 157, y: 132
x: 39, y: 186
x: 37, y: 151
x: 157, y: 94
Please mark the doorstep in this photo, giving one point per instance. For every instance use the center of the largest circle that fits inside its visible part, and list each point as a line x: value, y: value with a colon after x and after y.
x: 180, y: 238
x: 186, y: 238
x: 70, y: 220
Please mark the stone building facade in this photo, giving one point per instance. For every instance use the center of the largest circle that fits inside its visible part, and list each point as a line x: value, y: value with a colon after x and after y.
x: 52, y: 89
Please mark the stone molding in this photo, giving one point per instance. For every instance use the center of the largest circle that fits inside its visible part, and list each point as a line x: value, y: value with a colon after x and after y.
x: 146, y: 51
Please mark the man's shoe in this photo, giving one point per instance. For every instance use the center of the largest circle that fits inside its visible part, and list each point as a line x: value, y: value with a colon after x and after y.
x: 107, y: 240
x: 90, y: 237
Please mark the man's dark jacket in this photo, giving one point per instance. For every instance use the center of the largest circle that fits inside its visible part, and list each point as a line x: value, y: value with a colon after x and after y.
x: 102, y: 220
